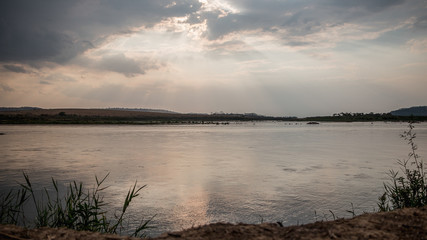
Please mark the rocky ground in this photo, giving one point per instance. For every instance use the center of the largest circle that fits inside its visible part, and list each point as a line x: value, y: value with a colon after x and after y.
x: 402, y: 224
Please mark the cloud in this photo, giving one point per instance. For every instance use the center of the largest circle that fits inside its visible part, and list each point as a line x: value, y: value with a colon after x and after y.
x: 236, y: 49
x: 57, y: 77
x: 33, y: 31
x: 57, y: 31
x: 45, y: 82
x: 417, y: 45
x: 15, y: 68
x: 293, y: 23
x: 127, y: 66
x: 421, y: 23
x: 119, y: 63
x: 6, y: 88
x: 370, y: 5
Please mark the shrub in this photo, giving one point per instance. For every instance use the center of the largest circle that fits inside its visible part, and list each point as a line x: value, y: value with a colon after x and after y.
x: 409, y: 188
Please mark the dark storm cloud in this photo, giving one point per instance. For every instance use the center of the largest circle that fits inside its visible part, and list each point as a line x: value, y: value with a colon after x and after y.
x: 31, y: 31
x: 14, y: 68
x: 57, y: 31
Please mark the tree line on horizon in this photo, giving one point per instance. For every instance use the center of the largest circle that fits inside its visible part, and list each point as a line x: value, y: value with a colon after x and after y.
x: 13, y: 115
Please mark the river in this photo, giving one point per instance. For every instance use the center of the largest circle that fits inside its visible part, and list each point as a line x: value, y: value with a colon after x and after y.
x: 197, y: 174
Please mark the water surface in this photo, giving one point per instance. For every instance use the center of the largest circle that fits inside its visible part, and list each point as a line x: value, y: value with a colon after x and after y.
x: 198, y: 174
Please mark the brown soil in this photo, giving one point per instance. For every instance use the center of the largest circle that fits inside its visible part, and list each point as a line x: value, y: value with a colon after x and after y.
x: 18, y: 233
x: 401, y: 224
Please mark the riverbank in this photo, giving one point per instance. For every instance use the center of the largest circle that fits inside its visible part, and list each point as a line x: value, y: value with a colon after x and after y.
x: 112, y: 116
x: 123, y: 116
x: 400, y: 224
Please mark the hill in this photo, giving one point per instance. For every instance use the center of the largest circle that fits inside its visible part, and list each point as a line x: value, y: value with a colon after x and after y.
x: 118, y: 116
x: 412, y: 111
x: 15, y: 109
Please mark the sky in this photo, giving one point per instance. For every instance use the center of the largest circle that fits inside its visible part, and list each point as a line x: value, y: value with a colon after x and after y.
x: 272, y: 57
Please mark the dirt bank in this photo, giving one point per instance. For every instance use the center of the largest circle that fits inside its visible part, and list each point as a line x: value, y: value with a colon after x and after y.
x: 401, y: 224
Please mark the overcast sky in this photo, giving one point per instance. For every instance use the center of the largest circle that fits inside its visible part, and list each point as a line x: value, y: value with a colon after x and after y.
x: 272, y: 57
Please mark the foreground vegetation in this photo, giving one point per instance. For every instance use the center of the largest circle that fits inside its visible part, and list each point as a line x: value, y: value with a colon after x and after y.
x: 409, y: 188
x: 79, y: 209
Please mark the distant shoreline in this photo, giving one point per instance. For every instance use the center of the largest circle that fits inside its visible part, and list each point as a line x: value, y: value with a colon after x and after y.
x: 132, y: 117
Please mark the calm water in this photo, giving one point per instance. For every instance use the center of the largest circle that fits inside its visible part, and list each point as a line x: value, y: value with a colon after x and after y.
x: 198, y: 174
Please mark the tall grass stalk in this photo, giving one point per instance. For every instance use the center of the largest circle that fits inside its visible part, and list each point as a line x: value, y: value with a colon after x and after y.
x: 409, y: 188
x: 11, y: 207
x: 80, y: 208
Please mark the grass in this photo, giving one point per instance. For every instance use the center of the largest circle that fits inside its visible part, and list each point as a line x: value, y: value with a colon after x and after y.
x: 79, y: 209
x: 11, y: 206
x: 406, y: 189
